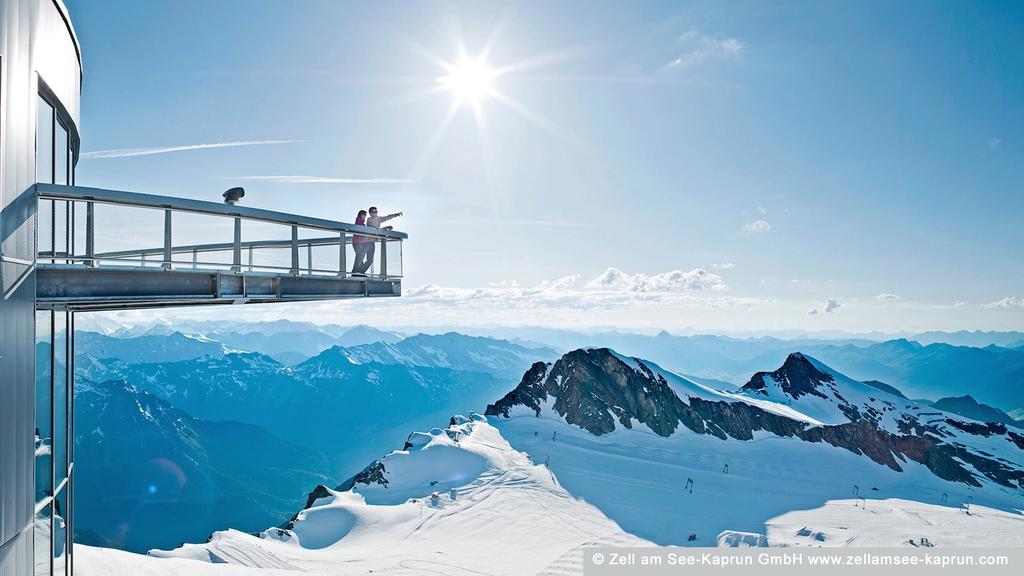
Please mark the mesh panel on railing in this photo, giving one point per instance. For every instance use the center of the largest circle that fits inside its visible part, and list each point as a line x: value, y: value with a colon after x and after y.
x: 394, y: 248
x: 79, y: 212
x: 267, y: 246
x: 124, y: 235
x: 44, y: 227
x: 214, y: 233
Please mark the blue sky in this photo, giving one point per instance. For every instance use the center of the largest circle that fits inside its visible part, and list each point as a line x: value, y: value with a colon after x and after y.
x: 742, y: 166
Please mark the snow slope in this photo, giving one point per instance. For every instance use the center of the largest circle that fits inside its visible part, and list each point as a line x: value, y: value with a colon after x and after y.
x: 509, y: 516
x: 639, y: 479
x: 513, y: 516
x: 895, y: 522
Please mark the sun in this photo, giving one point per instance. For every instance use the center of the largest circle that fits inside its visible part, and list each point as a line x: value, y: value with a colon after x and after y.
x: 470, y: 81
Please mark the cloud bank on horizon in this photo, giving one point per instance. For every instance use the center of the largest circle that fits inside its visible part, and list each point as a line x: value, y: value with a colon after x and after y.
x: 673, y: 300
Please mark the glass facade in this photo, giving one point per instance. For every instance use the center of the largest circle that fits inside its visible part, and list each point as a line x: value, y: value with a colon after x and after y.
x: 54, y: 165
x: 54, y: 446
x: 53, y: 443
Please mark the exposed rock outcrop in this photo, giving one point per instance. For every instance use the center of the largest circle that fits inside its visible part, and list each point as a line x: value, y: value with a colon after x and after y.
x: 797, y: 377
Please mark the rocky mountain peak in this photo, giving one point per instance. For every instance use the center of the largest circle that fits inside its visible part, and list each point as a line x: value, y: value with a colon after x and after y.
x: 797, y: 377
x: 592, y: 388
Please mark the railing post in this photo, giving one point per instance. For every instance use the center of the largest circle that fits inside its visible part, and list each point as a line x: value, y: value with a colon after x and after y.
x: 90, y: 234
x: 295, y: 250
x: 383, y: 257
x: 167, y: 240
x: 67, y: 231
x: 250, y: 258
x: 71, y: 232
x: 309, y: 258
x: 53, y: 231
x: 236, y: 260
x: 342, y: 256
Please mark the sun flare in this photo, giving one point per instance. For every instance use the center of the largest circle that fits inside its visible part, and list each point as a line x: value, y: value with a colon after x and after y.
x: 470, y: 81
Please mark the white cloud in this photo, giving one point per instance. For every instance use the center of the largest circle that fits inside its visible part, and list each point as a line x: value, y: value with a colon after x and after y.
x: 887, y: 296
x: 563, y: 283
x: 696, y: 279
x: 1008, y: 302
x: 762, y: 210
x: 959, y: 304
x: 724, y: 265
x: 830, y: 306
x: 795, y: 281
x: 321, y: 180
x: 757, y: 226
x: 126, y: 152
x: 995, y: 143
x: 611, y: 290
x: 697, y: 47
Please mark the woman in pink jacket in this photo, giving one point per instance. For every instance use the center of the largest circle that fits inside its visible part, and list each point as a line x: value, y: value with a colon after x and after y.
x: 361, y: 244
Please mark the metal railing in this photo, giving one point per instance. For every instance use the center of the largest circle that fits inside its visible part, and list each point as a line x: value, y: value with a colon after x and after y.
x: 92, y: 227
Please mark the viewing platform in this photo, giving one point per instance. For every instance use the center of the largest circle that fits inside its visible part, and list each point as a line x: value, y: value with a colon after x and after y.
x: 107, y: 250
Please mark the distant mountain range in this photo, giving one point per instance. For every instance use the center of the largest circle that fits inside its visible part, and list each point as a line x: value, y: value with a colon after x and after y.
x: 451, y: 350
x: 284, y: 340
x: 970, y: 408
x: 343, y: 406
x: 946, y: 363
x: 172, y: 347
x: 976, y: 338
x: 372, y: 387
x: 570, y: 339
x: 992, y: 374
x: 148, y: 474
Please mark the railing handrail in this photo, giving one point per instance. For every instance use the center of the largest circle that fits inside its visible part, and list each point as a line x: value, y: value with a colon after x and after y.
x: 119, y: 197
x: 224, y: 246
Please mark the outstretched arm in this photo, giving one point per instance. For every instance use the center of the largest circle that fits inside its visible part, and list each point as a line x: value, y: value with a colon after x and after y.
x: 390, y: 216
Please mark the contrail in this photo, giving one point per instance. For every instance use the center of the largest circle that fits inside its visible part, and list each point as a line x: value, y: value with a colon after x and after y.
x: 126, y: 152
x: 322, y: 180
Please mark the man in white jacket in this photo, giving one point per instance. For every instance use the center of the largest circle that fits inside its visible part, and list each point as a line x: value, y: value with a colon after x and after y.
x: 374, y: 221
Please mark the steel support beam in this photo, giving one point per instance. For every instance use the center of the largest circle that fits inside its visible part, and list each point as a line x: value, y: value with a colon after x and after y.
x: 96, y: 288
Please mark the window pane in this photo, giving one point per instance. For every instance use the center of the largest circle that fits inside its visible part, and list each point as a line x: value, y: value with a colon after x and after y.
x: 69, y: 517
x: 61, y: 155
x: 60, y: 531
x: 41, y: 552
x: 60, y: 398
x: 44, y: 142
x: 63, y: 223
x: 44, y: 440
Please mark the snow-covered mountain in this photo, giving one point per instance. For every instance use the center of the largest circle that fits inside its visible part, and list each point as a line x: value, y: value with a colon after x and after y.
x: 455, y: 500
x: 601, y: 447
x: 629, y: 436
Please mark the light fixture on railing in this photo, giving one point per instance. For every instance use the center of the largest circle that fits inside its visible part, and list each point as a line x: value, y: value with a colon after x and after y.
x: 233, y: 195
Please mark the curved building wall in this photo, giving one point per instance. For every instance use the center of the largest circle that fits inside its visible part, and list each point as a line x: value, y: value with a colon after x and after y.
x: 38, y: 55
